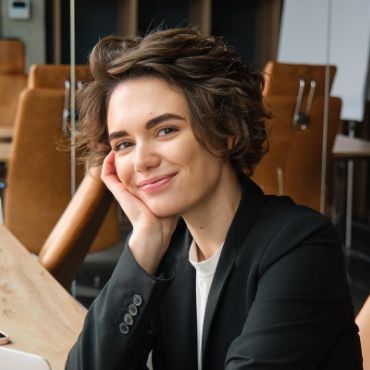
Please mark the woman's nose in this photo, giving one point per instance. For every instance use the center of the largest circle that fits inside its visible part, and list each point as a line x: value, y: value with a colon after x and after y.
x: 145, y: 157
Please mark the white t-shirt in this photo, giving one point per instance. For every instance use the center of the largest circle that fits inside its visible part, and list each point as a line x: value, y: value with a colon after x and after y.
x: 205, y: 271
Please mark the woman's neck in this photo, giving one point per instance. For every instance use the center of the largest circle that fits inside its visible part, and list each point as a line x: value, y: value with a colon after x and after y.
x: 209, y: 222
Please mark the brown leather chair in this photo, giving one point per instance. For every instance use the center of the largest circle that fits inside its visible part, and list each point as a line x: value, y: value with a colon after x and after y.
x: 12, y: 79
x: 282, y: 78
x: 53, y: 76
x: 38, y: 179
x: 293, y: 164
x: 269, y: 172
x: 70, y: 240
x: 302, y: 173
x: 363, y: 322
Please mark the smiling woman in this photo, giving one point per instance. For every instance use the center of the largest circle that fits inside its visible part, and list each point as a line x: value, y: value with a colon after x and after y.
x: 215, y: 275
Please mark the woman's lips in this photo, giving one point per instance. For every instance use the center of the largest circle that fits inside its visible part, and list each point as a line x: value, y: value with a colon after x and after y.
x: 155, y: 183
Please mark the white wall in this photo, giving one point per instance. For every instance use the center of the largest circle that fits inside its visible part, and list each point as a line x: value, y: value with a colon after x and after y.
x: 303, y: 39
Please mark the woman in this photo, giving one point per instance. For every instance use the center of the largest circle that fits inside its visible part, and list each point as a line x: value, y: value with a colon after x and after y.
x: 215, y: 275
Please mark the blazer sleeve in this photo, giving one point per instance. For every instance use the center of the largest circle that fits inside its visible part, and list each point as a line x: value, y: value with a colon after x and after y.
x: 116, y: 332
x: 302, y: 304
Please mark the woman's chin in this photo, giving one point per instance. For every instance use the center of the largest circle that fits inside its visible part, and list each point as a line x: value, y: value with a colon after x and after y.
x: 163, y: 211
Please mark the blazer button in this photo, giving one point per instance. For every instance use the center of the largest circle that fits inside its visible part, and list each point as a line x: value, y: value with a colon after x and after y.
x: 138, y: 301
x: 128, y: 319
x: 123, y: 328
x: 132, y: 309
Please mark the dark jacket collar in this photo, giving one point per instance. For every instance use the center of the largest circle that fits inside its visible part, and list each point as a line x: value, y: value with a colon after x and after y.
x: 251, y: 203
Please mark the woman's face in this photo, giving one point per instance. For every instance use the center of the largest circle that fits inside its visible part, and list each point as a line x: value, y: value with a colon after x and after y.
x: 157, y: 156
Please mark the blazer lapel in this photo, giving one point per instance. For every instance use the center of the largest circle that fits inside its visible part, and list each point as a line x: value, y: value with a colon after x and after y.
x: 179, y: 314
x: 186, y: 322
x: 251, y: 202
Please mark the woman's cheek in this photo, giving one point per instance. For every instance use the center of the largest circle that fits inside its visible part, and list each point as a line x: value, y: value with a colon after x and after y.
x: 123, y: 171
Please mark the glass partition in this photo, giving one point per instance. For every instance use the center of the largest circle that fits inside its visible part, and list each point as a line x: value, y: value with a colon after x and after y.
x: 261, y: 31
x: 300, y: 46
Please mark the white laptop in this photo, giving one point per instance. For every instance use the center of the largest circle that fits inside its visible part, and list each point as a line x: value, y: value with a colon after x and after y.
x: 11, y: 359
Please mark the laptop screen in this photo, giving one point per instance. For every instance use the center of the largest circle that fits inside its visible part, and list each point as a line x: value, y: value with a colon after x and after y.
x: 11, y: 359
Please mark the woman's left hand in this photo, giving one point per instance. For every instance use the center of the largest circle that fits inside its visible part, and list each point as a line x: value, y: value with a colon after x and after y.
x: 151, y: 234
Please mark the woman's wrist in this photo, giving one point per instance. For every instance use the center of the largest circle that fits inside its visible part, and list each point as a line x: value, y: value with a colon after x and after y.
x: 147, y: 251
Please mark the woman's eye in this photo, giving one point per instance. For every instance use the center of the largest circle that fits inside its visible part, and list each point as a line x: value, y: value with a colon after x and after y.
x: 123, y: 145
x: 165, y: 131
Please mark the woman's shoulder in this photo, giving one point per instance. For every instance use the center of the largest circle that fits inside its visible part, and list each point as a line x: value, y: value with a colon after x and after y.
x: 283, y: 210
x: 287, y: 226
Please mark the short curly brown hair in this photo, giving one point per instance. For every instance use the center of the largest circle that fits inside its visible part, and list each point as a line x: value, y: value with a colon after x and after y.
x: 224, y: 94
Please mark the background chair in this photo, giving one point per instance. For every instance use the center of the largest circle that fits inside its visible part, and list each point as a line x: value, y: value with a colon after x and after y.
x: 12, y: 79
x: 38, y: 179
x: 71, y: 238
x: 292, y: 165
x: 52, y: 76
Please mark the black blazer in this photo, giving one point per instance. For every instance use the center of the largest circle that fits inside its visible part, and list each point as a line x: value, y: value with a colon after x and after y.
x: 279, y: 300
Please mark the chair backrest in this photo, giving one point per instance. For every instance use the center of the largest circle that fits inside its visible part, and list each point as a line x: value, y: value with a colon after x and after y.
x: 282, y: 78
x: 293, y: 164
x: 363, y: 323
x: 11, y: 57
x: 302, y: 172
x: 39, y: 175
x: 269, y: 171
x: 71, y: 238
x: 12, y: 79
x: 53, y: 76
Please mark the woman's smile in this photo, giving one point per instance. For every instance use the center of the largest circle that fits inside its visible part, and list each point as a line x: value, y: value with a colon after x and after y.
x: 155, y: 184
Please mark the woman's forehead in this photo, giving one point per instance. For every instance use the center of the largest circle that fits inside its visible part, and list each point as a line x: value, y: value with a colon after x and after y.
x: 143, y: 98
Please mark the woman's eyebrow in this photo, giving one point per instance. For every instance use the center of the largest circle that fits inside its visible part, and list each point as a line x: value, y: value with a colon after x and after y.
x: 117, y: 134
x: 150, y: 124
x: 163, y: 117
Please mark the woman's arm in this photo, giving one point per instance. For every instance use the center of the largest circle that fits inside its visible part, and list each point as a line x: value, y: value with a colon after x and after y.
x: 116, y: 332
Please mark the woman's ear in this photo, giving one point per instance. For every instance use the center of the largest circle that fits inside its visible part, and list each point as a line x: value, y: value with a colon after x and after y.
x: 232, y: 142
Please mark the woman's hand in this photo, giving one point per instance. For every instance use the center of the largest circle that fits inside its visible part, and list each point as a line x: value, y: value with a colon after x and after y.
x: 151, y: 235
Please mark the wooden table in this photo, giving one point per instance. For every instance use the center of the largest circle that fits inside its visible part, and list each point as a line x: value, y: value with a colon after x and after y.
x: 350, y: 148
x: 37, y: 313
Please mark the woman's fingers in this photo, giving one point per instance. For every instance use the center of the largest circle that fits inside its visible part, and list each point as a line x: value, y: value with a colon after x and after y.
x: 109, y: 175
x: 133, y: 207
x: 108, y: 168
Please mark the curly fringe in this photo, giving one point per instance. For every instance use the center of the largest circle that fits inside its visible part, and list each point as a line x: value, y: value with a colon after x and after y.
x: 223, y: 93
